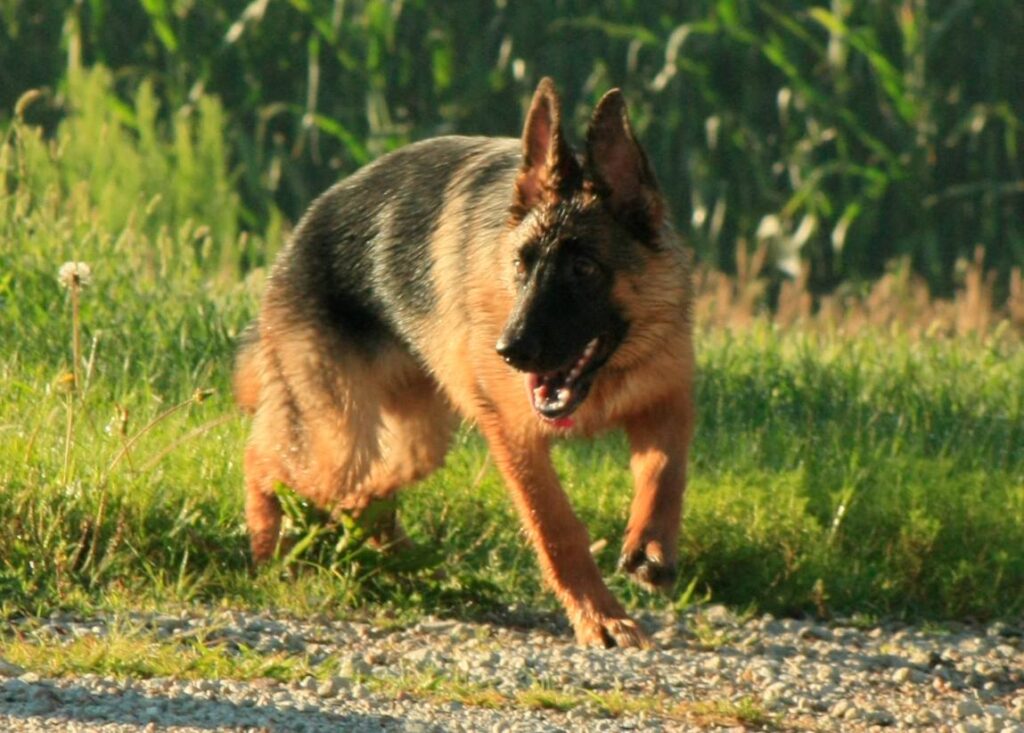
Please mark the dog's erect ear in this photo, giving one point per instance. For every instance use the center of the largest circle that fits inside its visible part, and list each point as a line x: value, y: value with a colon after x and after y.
x: 549, y: 168
x: 620, y: 169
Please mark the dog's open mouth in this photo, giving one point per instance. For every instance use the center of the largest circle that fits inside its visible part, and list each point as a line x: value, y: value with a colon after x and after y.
x: 556, y: 395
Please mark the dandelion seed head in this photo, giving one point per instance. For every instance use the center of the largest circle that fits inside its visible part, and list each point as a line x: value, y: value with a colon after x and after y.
x: 74, y: 274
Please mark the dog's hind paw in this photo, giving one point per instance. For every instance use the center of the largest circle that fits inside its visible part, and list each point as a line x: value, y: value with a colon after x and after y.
x: 648, y: 566
x: 611, y: 632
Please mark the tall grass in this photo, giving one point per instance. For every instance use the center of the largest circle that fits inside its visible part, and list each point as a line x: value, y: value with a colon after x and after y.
x: 878, y: 471
x: 845, y: 133
x: 149, y: 207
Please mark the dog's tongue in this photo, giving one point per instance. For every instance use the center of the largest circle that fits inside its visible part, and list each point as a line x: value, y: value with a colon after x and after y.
x: 539, y: 393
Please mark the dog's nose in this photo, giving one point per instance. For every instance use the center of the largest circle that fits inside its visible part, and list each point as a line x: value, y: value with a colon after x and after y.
x: 517, y: 352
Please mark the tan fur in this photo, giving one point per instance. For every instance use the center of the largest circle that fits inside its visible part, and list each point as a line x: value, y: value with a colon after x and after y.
x: 336, y: 429
x: 246, y: 383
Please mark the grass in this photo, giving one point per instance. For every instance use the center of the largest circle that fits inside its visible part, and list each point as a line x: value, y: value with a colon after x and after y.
x: 877, y: 472
x: 127, y: 655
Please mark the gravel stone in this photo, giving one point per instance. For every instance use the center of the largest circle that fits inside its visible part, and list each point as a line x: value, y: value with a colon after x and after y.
x: 968, y: 709
x: 969, y: 728
x: 806, y: 675
x: 879, y: 717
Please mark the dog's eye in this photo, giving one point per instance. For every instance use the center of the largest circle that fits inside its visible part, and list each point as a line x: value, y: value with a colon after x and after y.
x: 585, y: 268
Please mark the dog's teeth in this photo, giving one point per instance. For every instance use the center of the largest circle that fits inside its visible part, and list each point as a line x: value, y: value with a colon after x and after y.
x: 540, y: 393
x: 563, y: 395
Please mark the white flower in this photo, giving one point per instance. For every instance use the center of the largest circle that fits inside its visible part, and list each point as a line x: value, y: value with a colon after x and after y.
x: 74, y: 273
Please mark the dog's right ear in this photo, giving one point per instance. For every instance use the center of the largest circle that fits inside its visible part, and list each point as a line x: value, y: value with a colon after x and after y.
x: 549, y: 169
x: 620, y: 168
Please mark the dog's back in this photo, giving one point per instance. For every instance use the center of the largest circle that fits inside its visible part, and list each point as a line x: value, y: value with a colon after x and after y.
x: 361, y: 260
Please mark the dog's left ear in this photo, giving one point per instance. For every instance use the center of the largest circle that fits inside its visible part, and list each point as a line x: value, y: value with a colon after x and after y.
x: 620, y: 170
x: 549, y: 168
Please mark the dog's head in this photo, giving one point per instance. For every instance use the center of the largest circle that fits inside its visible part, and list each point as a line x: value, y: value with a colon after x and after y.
x: 579, y: 225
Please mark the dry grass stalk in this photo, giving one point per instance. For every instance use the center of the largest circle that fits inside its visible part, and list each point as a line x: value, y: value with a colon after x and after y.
x: 899, y: 299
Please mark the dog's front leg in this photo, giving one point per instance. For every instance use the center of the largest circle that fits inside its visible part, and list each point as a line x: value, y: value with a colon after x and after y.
x: 561, y: 540
x: 659, y: 439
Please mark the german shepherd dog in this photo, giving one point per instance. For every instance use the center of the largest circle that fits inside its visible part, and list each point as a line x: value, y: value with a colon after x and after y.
x: 535, y: 292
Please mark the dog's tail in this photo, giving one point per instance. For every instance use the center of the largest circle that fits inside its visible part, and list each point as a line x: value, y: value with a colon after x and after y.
x: 247, y: 369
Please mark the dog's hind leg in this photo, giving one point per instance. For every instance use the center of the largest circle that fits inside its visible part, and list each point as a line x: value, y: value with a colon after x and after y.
x: 315, y: 429
x: 417, y: 424
x: 262, y: 507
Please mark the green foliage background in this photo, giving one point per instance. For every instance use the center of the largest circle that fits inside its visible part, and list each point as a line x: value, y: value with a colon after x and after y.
x: 832, y: 473
x: 844, y: 133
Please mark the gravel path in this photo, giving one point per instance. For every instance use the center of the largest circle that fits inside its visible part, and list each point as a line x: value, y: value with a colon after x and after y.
x: 708, y: 670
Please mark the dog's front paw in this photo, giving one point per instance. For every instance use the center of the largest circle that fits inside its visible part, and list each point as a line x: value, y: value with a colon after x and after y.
x: 608, y: 631
x: 648, y: 564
